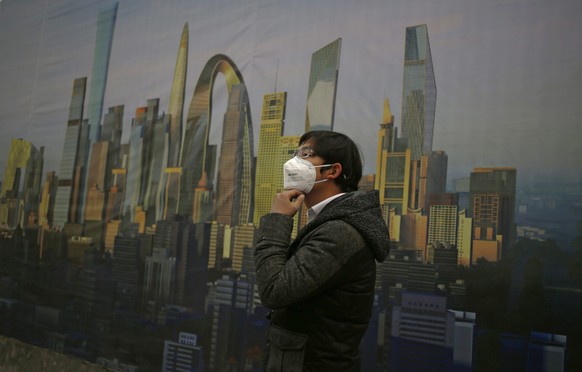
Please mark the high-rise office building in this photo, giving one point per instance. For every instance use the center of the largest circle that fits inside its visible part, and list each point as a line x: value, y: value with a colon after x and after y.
x: 464, y: 340
x: 169, y: 187
x: 234, y: 194
x: 406, y: 268
x: 171, y: 191
x: 445, y: 258
x: 288, y: 146
x: 114, y: 208
x: 184, y: 355
x: 203, y: 203
x: 111, y: 231
x: 134, y: 166
x: 242, y: 239
x: 98, y: 82
x: 198, y: 157
x: 192, y: 268
x: 111, y: 132
x: 96, y: 194
x: 413, y: 230
x: 153, y: 162
x: 126, y: 268
x: 393, y: 165
x: 267, y: 173
x: 321, y: 92
x: 159, y: 280
x: 493, y: 209
x: 158, y: 155
x: 22, y: 181
x: 432, y: 177
x: 442, y: 219
x: 103, y: 41
x: 146, y: 163
x: 47, y: 201
x: 231, y: 302
x: 464, y: 234
x: 422, y: 334
x: 16, y: 167
x: 64, y: 195
x: 176, y: 104
x: 418, y: 92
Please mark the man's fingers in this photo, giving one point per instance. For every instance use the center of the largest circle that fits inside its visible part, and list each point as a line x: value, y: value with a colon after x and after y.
x: 299, y: 200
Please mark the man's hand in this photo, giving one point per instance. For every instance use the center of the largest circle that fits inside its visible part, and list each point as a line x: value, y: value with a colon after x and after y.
x: 288, y: 202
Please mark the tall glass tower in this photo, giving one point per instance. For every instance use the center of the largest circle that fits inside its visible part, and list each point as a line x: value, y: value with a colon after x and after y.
x: 103, y: 41
x: 69, y: 157
x: 176, y: 104
x: 322, y: 88
x: 418, y: 92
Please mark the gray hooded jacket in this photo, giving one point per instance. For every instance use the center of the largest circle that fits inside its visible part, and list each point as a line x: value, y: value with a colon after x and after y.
x: 321, y: 285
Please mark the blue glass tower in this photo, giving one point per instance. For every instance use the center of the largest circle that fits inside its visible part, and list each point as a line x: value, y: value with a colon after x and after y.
x: 322, y: 88
x: 68, y: 165
x: 103, y: 41
x: 418, y: 92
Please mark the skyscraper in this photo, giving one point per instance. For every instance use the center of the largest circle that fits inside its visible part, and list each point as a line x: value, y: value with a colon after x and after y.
x: 432, y: 177
x: 442, y: 220
x: 234, y: 183
x: 267, y: 174
x: 111, y: 132
x: 134, y: 165
x: 176, y: 104
x: 464, y: 233
x: 322, y: 87
x: 47, y: 201
x: 242, y: 239
x: 103, y: 41
x: 493, y: 210
x: 418, y: 92
x: 22, y: 180
x: 69, y: 157
x: 392, y: 168
x: 413, y: 230
x: 231, y: 302
x: 159, y: 281
x: 95, y: 201
x: 288, y: 146
x: 198, y: 156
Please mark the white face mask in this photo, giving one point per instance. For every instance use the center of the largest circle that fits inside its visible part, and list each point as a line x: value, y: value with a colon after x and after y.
x: 299, y: 174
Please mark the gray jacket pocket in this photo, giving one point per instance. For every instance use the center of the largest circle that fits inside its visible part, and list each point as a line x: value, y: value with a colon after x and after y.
x: 285, y: 350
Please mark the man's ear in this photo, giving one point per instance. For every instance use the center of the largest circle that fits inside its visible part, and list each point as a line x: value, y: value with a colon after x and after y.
x: 335, y: 171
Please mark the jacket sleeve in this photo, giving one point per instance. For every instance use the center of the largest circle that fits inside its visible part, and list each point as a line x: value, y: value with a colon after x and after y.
x: 284, y: 280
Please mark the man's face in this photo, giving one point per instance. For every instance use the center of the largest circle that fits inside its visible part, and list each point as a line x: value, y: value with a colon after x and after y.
x: 306, y: 151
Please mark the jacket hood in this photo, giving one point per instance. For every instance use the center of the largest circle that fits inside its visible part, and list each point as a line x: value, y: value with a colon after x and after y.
x: 362, y: 211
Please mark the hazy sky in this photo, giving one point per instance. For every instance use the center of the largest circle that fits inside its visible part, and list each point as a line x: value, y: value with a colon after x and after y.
x: 508, y: 72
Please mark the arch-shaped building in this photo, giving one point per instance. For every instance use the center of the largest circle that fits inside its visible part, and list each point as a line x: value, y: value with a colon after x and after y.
x: 234, y: 189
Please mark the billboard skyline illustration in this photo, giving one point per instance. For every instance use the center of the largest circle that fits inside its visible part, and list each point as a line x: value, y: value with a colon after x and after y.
x: 455, y: 124
x: 142, y: 228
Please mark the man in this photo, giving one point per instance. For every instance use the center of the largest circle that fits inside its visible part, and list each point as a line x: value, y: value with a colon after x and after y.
x: 320, y: 286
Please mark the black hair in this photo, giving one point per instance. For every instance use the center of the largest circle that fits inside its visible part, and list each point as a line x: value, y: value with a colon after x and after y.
x: 335, y: 147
